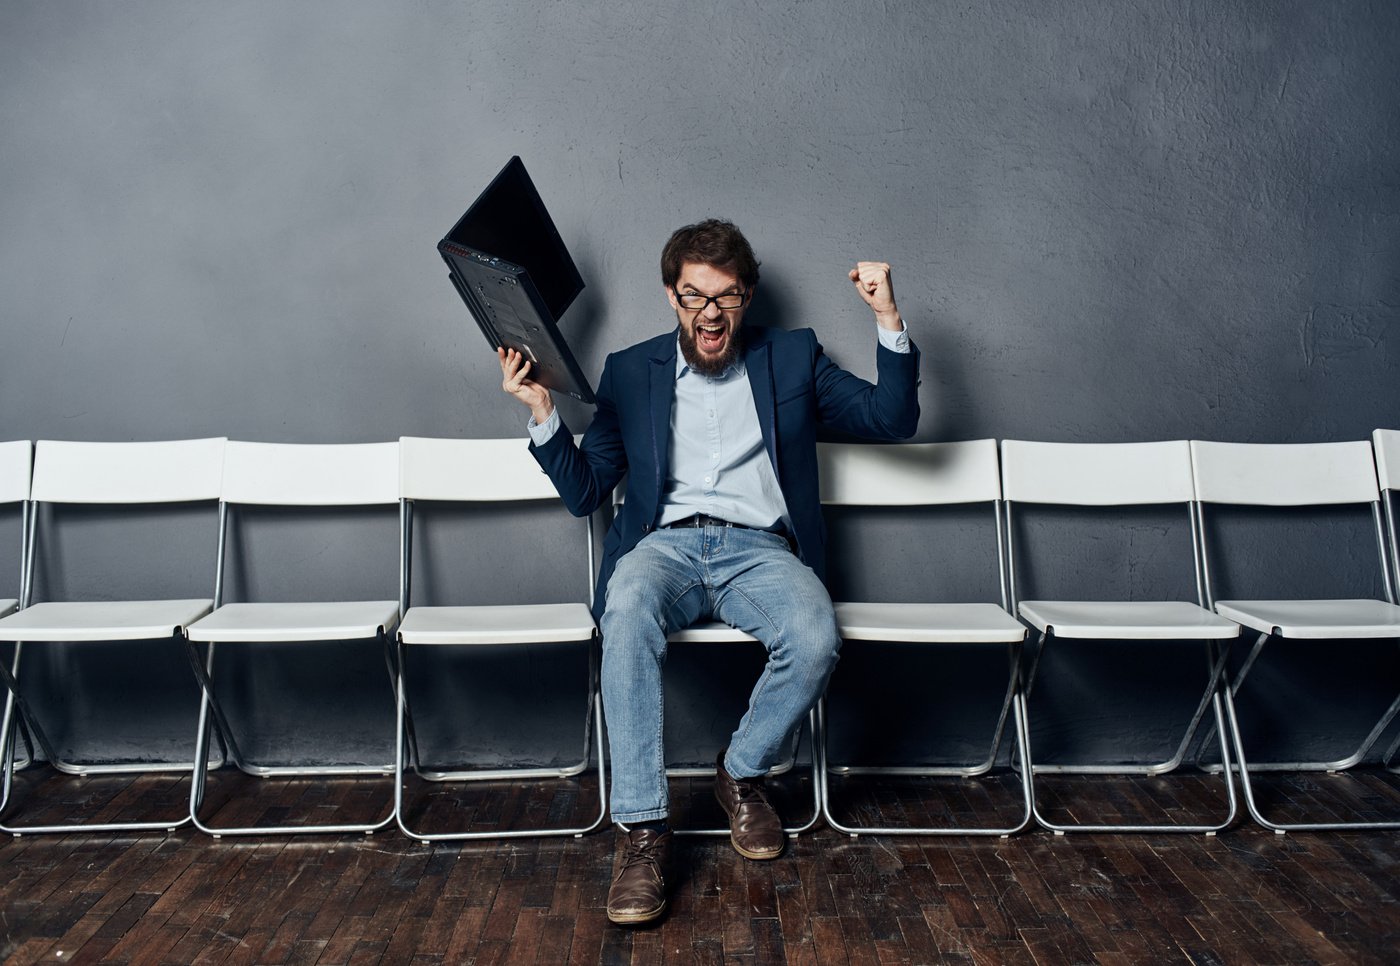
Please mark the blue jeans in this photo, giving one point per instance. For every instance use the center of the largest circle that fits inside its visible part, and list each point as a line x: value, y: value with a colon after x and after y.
x: 750, y: 580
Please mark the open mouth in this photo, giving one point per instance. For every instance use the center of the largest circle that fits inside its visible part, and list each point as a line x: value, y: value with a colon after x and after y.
x: 711, y: 338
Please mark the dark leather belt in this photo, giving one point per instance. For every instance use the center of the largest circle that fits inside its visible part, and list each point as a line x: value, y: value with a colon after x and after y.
x: 705, y: 520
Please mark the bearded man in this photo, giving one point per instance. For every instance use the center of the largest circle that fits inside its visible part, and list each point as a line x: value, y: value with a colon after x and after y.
x: 714, y: 424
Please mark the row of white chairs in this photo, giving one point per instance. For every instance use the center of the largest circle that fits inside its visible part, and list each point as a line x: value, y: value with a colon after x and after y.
x: 230, y: 473
x: 236, y: 474
x: 1194, y: 475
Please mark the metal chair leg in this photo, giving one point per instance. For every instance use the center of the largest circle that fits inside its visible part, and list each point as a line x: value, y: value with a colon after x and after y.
x: 1214, y: 689
x: 593, y: 728
x: 1252, y: 803
x: 1014, y: 702
x: 1339, y: 764
x: 211, y: 714
x: 30, y: 722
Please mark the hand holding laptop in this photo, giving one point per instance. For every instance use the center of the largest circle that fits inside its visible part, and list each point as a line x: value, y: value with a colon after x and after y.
x: 515, y: 370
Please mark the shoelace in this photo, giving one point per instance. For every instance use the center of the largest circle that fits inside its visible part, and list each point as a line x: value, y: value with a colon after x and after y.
x: 751, y: 793
x: 637, y: 854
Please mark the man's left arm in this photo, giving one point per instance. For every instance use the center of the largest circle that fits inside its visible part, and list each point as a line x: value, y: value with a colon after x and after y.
x: 890, y: 407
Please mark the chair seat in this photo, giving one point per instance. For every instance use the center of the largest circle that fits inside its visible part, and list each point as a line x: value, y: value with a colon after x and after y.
x: 497, y: 624
x: 102, y: 620
x: 325, y: 621
x: 1315, y: 618
x: 710, y: 632
x: 919, y: 623
x: 1132, y: 619
x: 8, y: 605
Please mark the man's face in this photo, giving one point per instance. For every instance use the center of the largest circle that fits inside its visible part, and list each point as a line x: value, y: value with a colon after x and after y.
x: 709, y: 336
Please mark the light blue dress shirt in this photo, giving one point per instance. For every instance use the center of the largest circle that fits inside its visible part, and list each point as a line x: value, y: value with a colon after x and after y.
x: 718, y: 465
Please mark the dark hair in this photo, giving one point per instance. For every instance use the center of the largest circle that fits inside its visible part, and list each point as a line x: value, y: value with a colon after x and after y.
x: 713, y: 242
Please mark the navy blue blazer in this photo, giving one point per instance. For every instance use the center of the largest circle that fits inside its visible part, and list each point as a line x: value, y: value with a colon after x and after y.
x: 795, y: 388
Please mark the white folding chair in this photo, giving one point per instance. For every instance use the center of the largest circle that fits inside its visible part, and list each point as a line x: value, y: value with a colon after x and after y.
x: 1118, y: 475
x: 16, y: 464
x: 928, y: 475
x: 1386, y: 443
x: 114, y: 474
x: 1297, y: 475
x: 718, y: 632
x: 306, y: 476
x: 486, y: 471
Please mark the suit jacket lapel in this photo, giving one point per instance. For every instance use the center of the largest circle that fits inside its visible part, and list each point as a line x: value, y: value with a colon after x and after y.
x: 663, y: 395
x: 758, y: 360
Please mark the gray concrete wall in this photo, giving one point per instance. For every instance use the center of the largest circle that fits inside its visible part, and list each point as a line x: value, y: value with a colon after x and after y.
x: 1109, y: 221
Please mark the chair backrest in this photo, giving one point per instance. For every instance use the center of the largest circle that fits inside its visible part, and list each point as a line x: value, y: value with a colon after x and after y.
x: 173, y: 471
x: 874, y: 475
x: 122, y: 474
x: 1386, y: 443
x: 471, y: 470
x: 908, y: 474
x: 16, y: 463
x: 1287, y: 475
x: 311, y: 474
x: 1284, y: 474
x: 1096, y: 474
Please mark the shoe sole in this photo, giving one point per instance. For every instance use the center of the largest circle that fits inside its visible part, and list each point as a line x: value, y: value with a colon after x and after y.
x: 636, y: 918
x: 756, y: 856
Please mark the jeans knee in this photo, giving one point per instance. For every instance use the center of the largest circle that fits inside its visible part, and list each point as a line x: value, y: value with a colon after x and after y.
x: 814, y: 641
x: 631, y: 627
x: 632, y: 592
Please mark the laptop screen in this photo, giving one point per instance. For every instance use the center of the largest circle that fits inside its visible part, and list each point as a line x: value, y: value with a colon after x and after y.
x: 509, y: 221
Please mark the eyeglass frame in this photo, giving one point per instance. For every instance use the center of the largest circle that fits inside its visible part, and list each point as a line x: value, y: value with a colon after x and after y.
x: 743, y: 300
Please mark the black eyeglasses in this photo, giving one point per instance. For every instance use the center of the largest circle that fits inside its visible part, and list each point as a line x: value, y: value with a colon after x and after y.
x: 694, y: 301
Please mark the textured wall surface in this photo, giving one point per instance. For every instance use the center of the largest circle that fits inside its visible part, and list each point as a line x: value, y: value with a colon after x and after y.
x: 1108, y: 221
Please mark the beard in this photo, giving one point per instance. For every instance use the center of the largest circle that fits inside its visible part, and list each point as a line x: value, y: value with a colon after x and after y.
x: 704, y: 364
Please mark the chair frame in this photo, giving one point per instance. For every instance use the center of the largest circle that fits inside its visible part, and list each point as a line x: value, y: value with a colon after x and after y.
x: 5, y: 730
x: 1013, y: 705
x: 1215, y: 697
x: 212, y: 714
x: 406, y: 752
x: 1386, y: 444
x: 20, y: 717
x: 1241, y: 762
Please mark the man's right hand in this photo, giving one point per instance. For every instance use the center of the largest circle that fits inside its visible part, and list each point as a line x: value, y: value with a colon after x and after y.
x: 514, y: 370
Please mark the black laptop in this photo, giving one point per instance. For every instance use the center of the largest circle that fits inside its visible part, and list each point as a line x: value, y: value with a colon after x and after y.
x: 511, y: 268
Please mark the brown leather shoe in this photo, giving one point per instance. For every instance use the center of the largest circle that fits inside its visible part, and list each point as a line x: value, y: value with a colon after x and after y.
x: 754, y: 828
x: 638, y: 893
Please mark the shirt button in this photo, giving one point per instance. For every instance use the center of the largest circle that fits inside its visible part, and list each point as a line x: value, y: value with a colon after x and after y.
x: 707, y: 479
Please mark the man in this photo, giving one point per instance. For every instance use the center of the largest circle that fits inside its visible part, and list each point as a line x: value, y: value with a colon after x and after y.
x: 714, y: 425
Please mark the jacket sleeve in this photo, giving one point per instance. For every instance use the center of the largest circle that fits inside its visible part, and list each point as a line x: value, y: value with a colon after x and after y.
x: 586, y: 473
x: 888, y: 409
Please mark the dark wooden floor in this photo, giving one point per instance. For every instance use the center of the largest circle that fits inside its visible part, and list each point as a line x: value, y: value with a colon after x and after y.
x: 1246, y: 896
